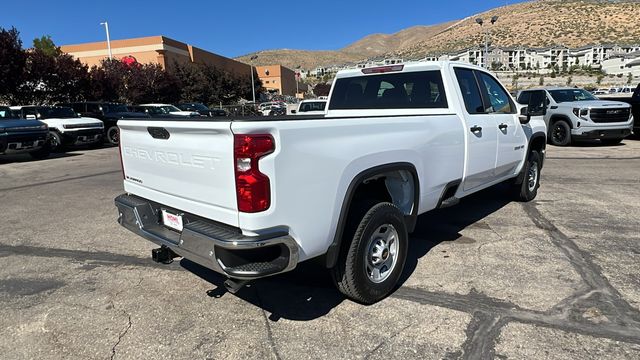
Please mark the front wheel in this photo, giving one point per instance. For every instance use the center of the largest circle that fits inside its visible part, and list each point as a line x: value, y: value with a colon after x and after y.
x: 528, y: 189
x: 113, y: 135
x: 56, y: 142
x: 369, y: 269
x: 560, y: 133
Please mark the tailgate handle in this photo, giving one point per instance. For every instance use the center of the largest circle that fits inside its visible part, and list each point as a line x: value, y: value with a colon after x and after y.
x: 158, y: 133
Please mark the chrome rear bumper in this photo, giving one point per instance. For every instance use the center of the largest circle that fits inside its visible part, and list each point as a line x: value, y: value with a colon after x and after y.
x: 216, y: 246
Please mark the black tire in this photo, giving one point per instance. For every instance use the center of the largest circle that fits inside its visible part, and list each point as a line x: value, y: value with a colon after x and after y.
x: 113, y: 135
x: 56, y: 142
x: 560, y: 133
x: 527, y: 190
x: 42, y: 153
x: 351, y: 273
x: 610, y: 142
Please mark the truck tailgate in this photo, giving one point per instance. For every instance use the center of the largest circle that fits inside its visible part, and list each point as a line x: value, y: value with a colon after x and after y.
x: 185, y: 165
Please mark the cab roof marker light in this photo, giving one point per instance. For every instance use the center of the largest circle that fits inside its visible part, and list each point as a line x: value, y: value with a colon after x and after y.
x: 382, y: 69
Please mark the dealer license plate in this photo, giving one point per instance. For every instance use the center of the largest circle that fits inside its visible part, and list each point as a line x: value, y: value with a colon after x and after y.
x: 172, y: 220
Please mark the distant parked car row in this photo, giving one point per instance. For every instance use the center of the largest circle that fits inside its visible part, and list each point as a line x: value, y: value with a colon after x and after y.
x: 80, y: 123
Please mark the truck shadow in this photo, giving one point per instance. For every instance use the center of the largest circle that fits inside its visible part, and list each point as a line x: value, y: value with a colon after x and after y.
x: 308, y: 293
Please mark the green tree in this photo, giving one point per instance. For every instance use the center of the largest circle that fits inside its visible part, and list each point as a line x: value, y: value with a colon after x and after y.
x: 629, y: 78
x: 569, y: 80
x: 12, y: 64
x: 46, y: 45
x: 541, y: 81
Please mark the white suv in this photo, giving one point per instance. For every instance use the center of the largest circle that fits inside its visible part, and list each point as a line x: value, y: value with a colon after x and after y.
x: 575, y: 114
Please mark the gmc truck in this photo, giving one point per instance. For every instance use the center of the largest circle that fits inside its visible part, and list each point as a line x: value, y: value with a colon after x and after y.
x: 254, y: 197
x: 575, y: 114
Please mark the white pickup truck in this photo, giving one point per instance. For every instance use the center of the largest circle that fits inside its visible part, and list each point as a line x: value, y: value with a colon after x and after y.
x: 253, y: 197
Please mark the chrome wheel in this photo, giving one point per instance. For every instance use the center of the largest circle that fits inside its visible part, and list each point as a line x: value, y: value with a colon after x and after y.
x: 382, y: 253
x: 532, y: 176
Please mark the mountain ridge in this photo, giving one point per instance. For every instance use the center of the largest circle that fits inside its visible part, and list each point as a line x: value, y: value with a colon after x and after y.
x: 540, y: 23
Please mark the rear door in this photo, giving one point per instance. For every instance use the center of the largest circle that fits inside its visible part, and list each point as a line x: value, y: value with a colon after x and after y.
x: 482, y: 131
x: 185, y: 165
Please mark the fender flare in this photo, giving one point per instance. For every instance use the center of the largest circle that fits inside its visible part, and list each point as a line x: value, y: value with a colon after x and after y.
x: 334, y: 249
x: 535, y: 136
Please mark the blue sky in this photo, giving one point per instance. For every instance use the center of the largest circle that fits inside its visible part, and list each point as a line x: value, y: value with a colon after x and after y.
x: 231, y: 28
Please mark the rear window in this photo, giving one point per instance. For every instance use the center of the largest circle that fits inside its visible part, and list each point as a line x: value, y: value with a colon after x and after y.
x: 5, y: 112
x: 411, y: 90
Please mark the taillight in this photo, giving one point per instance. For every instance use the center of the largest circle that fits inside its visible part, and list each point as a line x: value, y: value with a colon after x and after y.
x: 252, y: 187
x: 121, y: 162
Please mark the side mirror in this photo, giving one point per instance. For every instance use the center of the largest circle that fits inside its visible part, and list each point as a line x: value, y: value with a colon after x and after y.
x: 30, y: 117
x: 294, y: 111
x: 525, y: 116
x: 537, y: 106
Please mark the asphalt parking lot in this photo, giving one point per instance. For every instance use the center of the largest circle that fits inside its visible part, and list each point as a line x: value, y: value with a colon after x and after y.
x: 557, y: 278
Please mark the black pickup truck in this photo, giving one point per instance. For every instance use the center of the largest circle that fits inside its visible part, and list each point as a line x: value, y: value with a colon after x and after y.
x: 634, y: 101
x: 18, y: 136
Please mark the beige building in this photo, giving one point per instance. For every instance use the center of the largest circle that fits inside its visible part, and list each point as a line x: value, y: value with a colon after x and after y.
x: 154, y: 49
x: 277, y: 79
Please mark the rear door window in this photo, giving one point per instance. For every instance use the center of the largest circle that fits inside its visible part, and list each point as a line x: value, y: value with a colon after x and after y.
x: 470, y: 91
x: 410, y: 90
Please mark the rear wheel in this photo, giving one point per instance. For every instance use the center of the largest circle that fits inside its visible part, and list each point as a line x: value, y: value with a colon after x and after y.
x: 369, y: 267
x: 560, y: 133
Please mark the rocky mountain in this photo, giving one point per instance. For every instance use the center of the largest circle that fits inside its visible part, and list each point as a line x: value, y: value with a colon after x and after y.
x: 539, y: 23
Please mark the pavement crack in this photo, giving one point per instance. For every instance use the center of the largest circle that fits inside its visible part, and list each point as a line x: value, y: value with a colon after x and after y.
x: 617, y: 308
x: 122, y: 334
x: 386, y: 341
x: 482, y: 333
x: 272, y: 343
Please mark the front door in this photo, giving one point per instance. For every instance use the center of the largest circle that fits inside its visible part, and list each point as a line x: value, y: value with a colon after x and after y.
x: 482, y: 132
x: 511, y: 142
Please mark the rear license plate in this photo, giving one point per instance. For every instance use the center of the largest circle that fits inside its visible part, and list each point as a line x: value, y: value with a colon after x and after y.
x: 172, y: 220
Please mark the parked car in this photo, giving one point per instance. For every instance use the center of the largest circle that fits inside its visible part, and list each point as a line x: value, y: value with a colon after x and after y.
x: 109, y: 113
x: 255, y: 197
x: 202, y: 109
x: 311, y: 107
x: 163, y: 110
x: 634, y: 101
x: 65, y: 126
x: 19, y: 136
x: 575, y: 114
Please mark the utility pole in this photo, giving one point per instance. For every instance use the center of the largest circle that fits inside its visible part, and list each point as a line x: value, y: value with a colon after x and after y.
x: 106, y: 26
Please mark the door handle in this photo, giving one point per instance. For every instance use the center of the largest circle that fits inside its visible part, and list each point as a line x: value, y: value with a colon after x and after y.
x: 503, y: 126
x: 476, y: 129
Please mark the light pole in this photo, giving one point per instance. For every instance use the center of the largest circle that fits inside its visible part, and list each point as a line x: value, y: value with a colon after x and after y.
x: 253, y: 85
x: 486, y: 38
x: 106, y: 26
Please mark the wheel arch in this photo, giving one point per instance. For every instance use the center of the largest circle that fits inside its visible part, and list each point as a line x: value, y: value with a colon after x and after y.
x: 373, y: 174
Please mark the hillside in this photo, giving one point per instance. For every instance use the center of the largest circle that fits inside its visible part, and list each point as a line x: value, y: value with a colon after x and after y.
x: 539, y: 23
x: 368, y: 47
